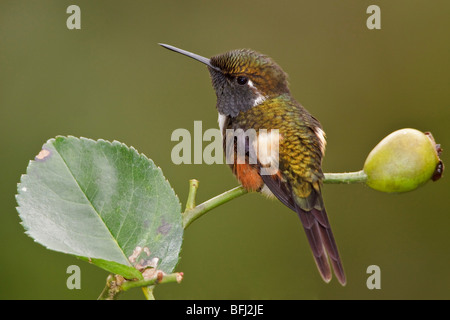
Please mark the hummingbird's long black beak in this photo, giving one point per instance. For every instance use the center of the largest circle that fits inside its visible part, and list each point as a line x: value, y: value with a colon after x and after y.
x: 191, y: 55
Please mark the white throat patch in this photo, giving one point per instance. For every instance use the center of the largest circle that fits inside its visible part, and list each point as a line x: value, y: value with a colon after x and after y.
x: 260, y: 98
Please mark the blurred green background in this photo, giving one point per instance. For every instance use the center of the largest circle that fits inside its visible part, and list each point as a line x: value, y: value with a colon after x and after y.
x: 111, y: 80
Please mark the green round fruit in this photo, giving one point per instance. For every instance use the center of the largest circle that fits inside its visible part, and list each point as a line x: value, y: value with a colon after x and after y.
x: 403, y: 161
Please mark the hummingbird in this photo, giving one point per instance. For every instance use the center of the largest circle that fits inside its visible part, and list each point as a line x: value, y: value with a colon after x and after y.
x: 253, y: 93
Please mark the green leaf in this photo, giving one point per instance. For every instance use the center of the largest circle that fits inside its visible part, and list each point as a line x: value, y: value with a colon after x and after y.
x: 102, y: 202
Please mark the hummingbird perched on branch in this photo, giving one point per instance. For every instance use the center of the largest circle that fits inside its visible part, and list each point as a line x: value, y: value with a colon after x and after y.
x: 252, y: 93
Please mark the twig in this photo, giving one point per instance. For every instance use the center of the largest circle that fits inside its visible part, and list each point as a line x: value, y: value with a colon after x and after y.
x: 193, y: 212
x: 346, y: 177
x: 191, y: 215
x: 116, y: 284
x: 193, y: 186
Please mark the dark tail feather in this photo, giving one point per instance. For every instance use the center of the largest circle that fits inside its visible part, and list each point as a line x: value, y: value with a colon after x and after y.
x: 323, y: 245
x: 313, y: 234
x: 317, y: 228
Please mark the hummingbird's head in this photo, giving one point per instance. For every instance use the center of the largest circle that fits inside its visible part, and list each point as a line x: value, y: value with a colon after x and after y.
x: 242, y: 78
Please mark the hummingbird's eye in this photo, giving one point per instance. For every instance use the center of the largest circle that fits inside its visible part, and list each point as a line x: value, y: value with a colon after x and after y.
x: 242, y: 80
